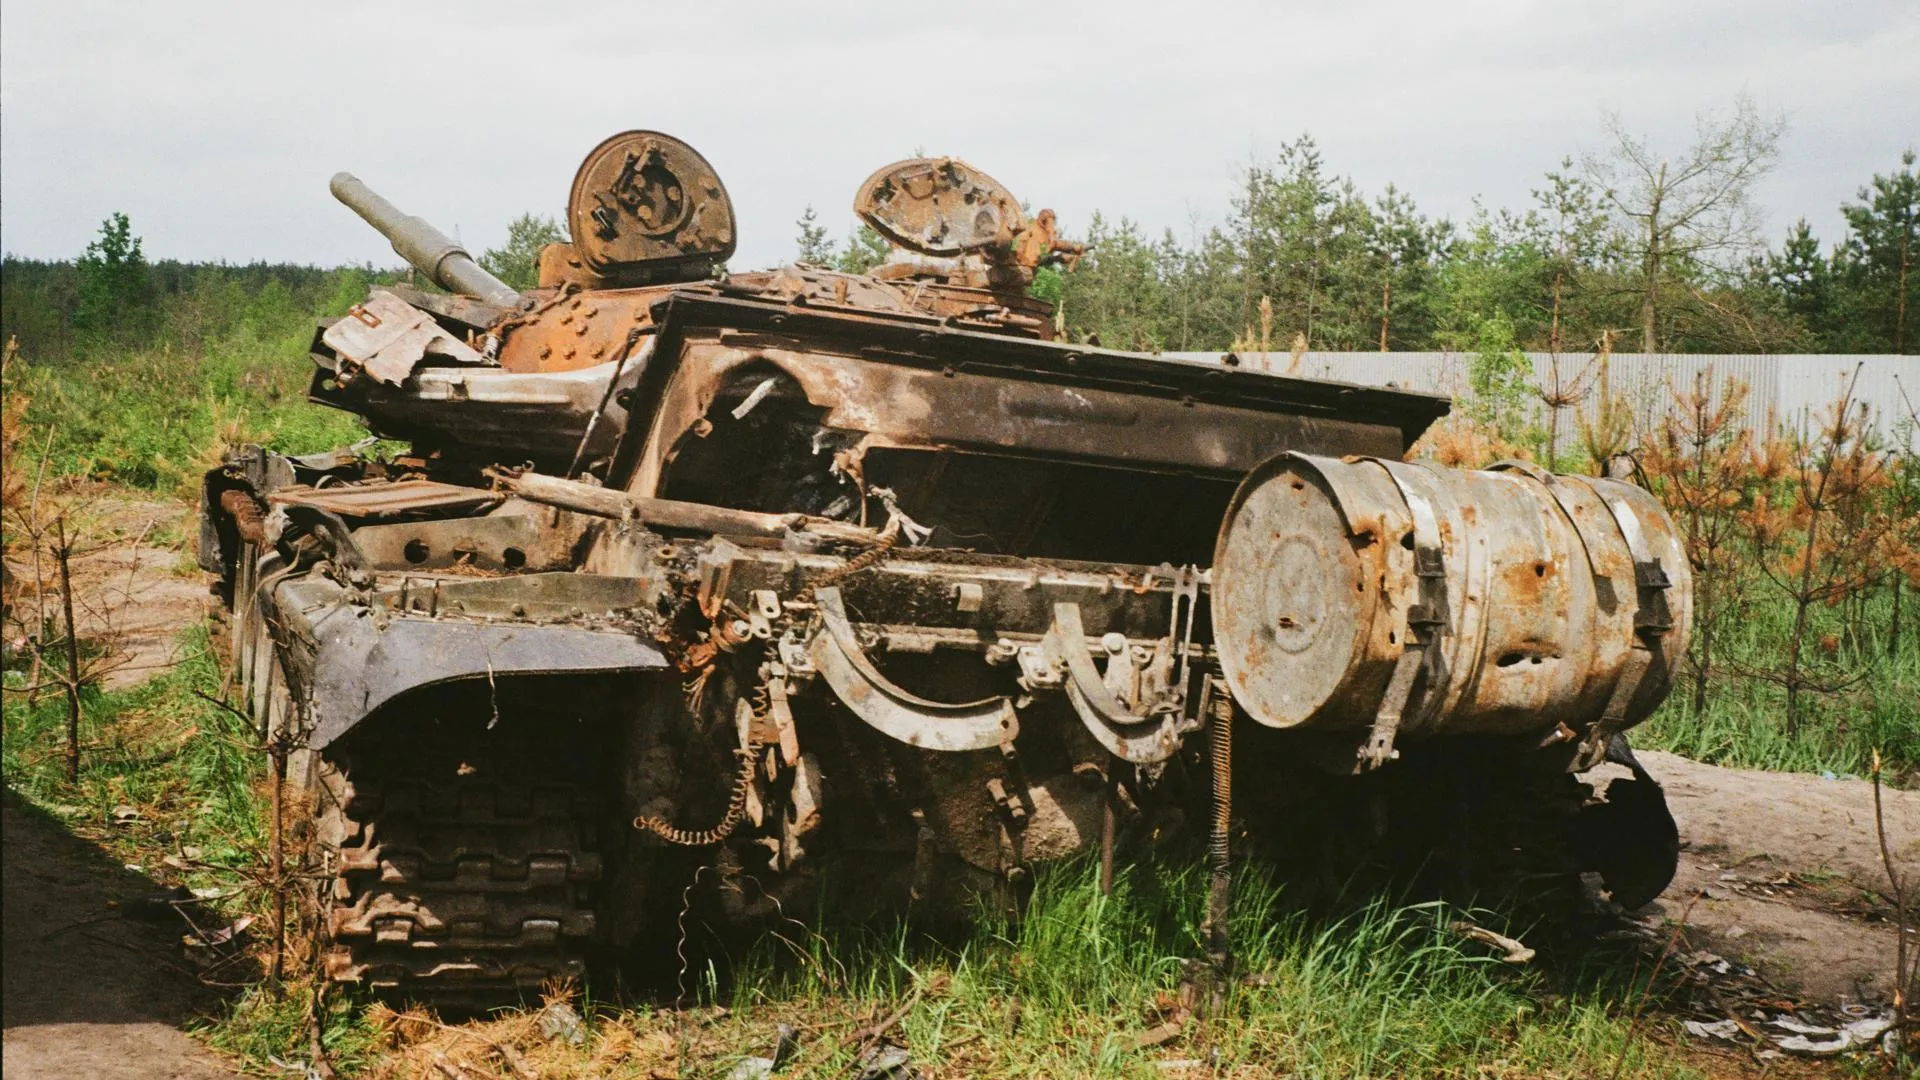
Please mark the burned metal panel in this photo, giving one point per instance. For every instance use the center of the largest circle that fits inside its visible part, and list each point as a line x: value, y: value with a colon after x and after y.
x: 385, y: 338
x: 362, y: 665
x: 496, y: 413
x: 498, y: 542
x: 931, y: 344
x: 387, y: 498
x: 919, y: 406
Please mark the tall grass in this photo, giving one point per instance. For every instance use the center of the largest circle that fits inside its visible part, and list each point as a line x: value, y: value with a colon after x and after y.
x: 1068, y: 987
x: 1875, y: 705
x: 188, y: 769
x: 215, y: 363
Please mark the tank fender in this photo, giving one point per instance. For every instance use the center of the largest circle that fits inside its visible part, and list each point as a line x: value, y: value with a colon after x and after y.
x: 361, y: 665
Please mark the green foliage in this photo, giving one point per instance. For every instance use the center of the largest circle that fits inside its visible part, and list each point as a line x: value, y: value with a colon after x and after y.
x: 186, y: 764
x: 1741, y: 726
x: 1501, y: 387
x: 115, y: 292
x: 1879, y: 256
x: 518, y: 262
x: 863, y: 250
x: 813, y: 247
x: 222, y: 361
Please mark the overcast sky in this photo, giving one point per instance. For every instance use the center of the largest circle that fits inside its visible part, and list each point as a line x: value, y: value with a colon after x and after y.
x: 216, y: 126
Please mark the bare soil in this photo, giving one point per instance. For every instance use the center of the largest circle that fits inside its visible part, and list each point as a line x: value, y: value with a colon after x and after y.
x: 89, y: 993
x: 135, y: 586
x: 1789, y: 875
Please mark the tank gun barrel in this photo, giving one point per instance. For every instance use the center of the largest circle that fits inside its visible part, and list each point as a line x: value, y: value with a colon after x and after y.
x: 427, y: 248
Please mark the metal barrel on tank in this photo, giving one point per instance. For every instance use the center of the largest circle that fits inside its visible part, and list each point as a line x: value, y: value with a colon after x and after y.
x: 1528, y: 600
x: 430, y: 251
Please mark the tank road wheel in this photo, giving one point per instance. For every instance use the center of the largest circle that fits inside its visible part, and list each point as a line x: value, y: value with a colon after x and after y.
x: 462, y: 870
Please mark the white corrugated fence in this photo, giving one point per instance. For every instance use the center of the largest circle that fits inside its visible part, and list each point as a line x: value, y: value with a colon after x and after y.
x: 1794, y: 389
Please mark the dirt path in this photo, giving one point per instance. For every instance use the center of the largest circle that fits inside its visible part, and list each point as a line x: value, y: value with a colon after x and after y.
x: 88, y: 993
x: 1791, y: 864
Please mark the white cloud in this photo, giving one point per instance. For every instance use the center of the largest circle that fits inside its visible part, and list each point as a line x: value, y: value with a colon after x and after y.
x: 216, y: 125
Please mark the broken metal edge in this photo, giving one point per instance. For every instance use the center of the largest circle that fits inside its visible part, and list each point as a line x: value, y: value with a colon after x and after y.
x: 362, y: 666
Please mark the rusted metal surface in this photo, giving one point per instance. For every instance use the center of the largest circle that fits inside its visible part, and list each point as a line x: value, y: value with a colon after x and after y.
x: 1318, y: 595
x: 799, y: 548
x: 382, y: 500
x: 670, y: 513
x: 245, y: 512
x: 647, y: 207
x: 386, y: 338
x: 938, y: 206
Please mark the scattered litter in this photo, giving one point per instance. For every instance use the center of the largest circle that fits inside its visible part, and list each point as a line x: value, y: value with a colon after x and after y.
x: 759, y: 1068
x: 1792, y: 1035
x: 1719, y: 1029
x: 125, y: 815
x: 885, y: 1062
x: 221, y: 936
x: 560, y: 1022
x: 1516, y: 952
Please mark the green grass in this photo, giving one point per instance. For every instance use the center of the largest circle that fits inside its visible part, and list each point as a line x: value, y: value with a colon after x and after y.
x: 1743, y: 724
x: 1385, y: 992
x: 189, y: 767
x: 154, y: 417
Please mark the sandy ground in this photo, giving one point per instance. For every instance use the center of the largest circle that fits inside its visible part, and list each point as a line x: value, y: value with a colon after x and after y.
x: 130, y: 592
x: 1794, y: 881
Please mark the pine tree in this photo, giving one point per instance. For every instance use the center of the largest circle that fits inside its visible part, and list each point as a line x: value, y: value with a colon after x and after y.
x: 518, y: 262
x: 813, y: 247
x: 1882, y: 248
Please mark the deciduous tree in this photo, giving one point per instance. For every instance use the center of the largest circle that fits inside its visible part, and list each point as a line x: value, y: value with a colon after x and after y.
x: 1678, y: 213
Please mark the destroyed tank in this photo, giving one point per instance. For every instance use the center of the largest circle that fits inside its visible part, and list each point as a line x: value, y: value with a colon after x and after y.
x: 806, y: 587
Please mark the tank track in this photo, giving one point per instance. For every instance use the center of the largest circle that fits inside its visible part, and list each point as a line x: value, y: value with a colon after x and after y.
x: 451, y: 887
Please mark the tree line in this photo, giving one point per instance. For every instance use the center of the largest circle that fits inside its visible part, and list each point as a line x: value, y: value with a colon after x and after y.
x: 1637, y: 247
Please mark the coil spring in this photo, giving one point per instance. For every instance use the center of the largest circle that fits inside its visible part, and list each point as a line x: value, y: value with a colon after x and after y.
x: 736, y: 810
x: 862, y: 561
x: 1221, y: 743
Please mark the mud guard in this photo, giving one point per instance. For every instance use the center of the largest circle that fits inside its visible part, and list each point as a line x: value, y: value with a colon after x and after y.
x: 1631, y: 839
x: 363, y: 665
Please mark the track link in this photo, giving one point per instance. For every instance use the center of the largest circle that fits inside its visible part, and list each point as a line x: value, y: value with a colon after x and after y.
x: 470, y: 886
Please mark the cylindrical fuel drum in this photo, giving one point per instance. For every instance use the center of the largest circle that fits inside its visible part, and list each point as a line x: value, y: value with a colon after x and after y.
x: 1534, y: 590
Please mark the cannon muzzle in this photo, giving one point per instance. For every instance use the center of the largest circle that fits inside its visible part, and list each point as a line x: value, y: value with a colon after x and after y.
x: 427, y: 248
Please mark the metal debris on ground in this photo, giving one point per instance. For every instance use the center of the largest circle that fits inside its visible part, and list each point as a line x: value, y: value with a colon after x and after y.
x: 1735, y: 1003
x: 560, y: 1022
x: 1791, y: 1035
x: 885, y: 1061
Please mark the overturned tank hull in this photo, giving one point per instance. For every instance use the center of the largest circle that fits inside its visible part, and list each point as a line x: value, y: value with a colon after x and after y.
x: 801, y: 570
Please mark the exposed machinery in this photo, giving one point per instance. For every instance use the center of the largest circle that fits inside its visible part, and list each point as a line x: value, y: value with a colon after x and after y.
x: 793, y: 570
